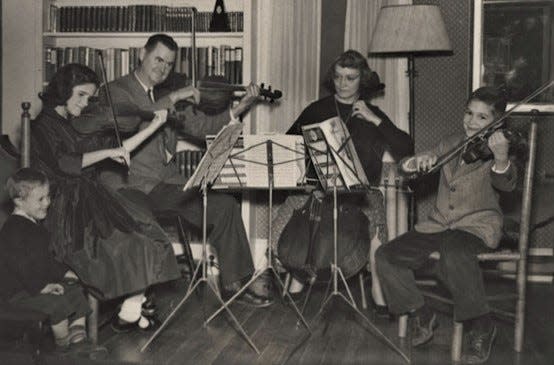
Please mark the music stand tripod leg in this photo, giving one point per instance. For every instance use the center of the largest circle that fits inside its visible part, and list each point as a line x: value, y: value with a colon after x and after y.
x: 259, y: 272
x: 337, y: 272
x: 202, y: 279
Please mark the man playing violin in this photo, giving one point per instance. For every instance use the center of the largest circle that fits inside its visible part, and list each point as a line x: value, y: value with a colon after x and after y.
x: 154, y: 177
x: 465, y: 221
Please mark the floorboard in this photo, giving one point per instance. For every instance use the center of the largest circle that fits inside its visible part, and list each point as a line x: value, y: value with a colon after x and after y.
x: 339, y: 335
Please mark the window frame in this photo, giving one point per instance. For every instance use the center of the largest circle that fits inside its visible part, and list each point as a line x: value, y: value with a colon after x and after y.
x: 477, y: 61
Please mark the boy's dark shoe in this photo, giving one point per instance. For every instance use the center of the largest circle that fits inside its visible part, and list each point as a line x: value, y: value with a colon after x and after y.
x: 479, y: 346
x: 422, y: 331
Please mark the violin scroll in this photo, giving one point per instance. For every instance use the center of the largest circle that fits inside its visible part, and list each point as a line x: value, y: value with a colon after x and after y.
x: 269, y: 94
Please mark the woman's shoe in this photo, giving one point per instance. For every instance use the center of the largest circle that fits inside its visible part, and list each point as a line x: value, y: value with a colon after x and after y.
x: 149, y: 308
x: 381, y: 311
x: 148, y: 323
x: 120, y: 326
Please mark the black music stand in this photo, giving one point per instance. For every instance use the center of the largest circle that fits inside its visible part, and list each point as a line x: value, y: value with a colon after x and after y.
x: 353, y: 167
x: 270, y: 174
x: 204, y: 177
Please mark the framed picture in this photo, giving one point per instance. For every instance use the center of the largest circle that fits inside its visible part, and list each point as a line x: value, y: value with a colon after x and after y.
x: 513, y: 49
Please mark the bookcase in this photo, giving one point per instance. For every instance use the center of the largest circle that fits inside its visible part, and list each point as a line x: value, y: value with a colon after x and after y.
x: 74, y: 29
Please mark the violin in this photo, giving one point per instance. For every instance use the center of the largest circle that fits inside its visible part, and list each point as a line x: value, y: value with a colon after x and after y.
x: 97, y: 118
x: 216, y: 92
x: 474, y: 148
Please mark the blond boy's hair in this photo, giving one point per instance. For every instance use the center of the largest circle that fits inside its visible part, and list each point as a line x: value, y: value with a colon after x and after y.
x: 20, y: 184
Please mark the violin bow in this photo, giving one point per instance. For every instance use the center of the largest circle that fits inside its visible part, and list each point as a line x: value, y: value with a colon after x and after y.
x: 109, y: 97
x: 492, y: 126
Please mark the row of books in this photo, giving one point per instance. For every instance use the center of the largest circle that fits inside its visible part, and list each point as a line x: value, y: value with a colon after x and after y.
x: 188, y: 161
x: 133, y: 18
x: 222, y: 60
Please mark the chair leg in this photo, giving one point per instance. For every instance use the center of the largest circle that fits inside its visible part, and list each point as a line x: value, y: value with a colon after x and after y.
x: 457, y: 336
x: 403, y: 326
x: 520, y: 308
x: 362, y: 289
x: 92, y: 320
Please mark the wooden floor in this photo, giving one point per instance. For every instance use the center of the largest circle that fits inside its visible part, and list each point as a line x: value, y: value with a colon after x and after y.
x: 339, y: 336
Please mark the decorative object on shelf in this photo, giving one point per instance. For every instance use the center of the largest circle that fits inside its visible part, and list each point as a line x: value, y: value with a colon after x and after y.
x: 410, y: 29
x: 220, y: 20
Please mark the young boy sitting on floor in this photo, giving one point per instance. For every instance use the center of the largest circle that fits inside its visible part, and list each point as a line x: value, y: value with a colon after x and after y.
x: 465, y: 221
x: 37, y: 281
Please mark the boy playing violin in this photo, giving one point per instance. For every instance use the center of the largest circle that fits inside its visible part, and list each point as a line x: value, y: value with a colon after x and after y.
x: 465, y: 221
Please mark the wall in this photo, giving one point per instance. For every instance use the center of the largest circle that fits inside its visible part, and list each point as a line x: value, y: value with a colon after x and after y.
x: 441, y: 88
x: 22, y: 18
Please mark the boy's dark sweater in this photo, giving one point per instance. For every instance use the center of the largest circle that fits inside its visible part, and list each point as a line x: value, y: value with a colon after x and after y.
x: 25, y: 258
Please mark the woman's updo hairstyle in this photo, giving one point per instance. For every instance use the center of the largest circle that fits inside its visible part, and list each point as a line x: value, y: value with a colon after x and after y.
x: 61, y: 86
x: 370, y: 84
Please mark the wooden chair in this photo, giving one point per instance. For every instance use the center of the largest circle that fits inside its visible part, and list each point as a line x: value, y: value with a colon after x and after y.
x: 519, y: 256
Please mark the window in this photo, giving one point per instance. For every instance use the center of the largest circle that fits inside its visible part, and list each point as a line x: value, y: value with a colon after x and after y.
x: 513, y: 49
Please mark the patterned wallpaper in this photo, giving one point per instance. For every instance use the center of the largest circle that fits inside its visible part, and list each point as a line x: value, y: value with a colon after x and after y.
x: 441, y: 88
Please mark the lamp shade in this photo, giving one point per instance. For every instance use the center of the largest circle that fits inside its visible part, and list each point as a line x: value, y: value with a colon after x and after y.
x: 409, y: 29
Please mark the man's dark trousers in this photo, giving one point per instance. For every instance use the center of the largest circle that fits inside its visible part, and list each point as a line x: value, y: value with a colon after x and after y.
x: 226, y: 231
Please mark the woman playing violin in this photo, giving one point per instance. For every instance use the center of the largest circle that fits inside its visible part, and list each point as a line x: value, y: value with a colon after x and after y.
x: 113, y: 245
x: 353, y: 85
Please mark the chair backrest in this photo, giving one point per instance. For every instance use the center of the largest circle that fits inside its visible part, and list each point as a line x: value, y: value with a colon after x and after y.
x: 9, y: 163
x: 512, y: 203
x: 528, y: 180
x: 11, y: 160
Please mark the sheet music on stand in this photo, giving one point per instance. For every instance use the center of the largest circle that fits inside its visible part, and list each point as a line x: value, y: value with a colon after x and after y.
x: 247, y: 164
x: 213, y: 160
x: 332, y: 153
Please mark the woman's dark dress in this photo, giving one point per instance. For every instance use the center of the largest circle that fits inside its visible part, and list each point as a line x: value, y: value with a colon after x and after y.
x: 113, y: 244
x: 370, y: 142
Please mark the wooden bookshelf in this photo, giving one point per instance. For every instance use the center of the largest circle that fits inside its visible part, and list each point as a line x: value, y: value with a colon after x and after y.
x: 218, y: 53
x: 27, y: 37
